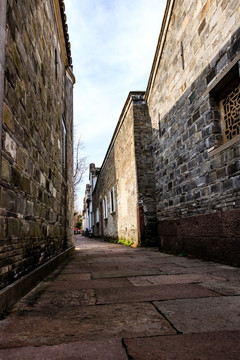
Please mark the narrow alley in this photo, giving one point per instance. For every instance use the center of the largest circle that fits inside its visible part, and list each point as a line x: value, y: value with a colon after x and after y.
x: 111, y: 302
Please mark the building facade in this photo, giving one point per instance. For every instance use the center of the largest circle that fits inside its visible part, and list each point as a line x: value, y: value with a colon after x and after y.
x: 193, y: 101
x: 123, y: 197
x: 36, y: 123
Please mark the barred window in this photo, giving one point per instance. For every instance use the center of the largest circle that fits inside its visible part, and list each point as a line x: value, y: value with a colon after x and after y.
x: 230, y: 113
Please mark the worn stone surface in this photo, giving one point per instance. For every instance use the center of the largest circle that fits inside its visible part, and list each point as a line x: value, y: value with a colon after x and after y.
x: 170, y: 279
x: 54, y: 325
x: 66, y: 319
x: 74, y: 276
x: 202, y: 315
x: 123, y: 273
x: 150, y: 293
x: 223, y: 287
x: 91, y: 284
x: 108, y: 349
x: 207, y: 346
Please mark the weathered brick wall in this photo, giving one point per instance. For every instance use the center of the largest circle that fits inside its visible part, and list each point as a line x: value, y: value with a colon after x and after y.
x: 145, y: 173
x: 202, y: 43
x: 119, y: 170
x: 35, y: 198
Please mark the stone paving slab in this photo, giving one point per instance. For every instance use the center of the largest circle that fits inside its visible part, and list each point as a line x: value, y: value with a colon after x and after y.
x: 150, y: 293
x: 72, y: 277
x: 148, y: 266
x: 113, y: 259
x: 91, y: 284
x: 170, y: 279
x: 75, y: 271
x: 95, y: 267
x: 173, y: 268
x: 123, y: 273
x: 53, y: 325
x: 202, y: 315
x: 85, y: 350
x: 77, y: 265
x: 60, y: 298
x: 207, y: 346
x: 232, y: 274
x: 223, y: 287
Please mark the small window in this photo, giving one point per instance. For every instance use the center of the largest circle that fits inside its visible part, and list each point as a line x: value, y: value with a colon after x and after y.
x: 225, y: 98
x: 64, y: 148
x: 105, y: 215
x: 230, y: 113
x: 112, y: 200
x: 56, y: 64
x: 97, y: 216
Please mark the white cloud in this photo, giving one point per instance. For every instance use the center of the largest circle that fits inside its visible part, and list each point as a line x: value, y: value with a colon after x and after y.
x: 113, y: 44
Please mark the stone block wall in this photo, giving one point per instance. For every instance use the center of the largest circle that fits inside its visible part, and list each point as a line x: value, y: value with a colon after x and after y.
x: 145, y: 174
x: 36, y: 214
x: 119, y: 171
x: 197, y: 173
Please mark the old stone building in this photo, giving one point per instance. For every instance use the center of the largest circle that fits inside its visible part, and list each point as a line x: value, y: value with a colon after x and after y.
x: 123, y: 197
x: 36, y: 123
x: 192, y: 101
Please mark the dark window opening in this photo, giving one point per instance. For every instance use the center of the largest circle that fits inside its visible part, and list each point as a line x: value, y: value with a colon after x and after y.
x: 182, y: 54
x: 64, y: 148
x: 56, y: 63
x: 159, y: 127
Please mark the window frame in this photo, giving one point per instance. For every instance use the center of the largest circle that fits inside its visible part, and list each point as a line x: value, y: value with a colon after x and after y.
x: 105, y: 212
x: 64, y: 148
x: 97, y: 216
x: 112, y: 198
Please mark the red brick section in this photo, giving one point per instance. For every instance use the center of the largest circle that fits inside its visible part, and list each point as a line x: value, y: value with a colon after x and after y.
x: 201, y: 235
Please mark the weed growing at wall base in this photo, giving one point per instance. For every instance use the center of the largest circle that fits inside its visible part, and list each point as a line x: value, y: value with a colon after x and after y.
x: 122, y: 241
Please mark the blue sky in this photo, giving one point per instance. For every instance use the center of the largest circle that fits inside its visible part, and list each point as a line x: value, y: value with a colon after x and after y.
x: 113, y: 44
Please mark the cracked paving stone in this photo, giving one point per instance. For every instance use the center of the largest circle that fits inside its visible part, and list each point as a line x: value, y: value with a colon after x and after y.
x: 207, y: 346
x: 150, y: 293
x: 202, y: 315
x: 55, y: 325
x: 85, y: 350
x: 169, y: 279
x: 223, y: 287
x: 123, y: 273
x: 91, y: 284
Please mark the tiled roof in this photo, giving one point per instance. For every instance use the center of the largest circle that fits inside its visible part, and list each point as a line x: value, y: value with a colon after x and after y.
x: 65, y: 28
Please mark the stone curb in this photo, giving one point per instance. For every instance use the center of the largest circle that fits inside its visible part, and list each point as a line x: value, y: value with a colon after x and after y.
x: 15, y: 291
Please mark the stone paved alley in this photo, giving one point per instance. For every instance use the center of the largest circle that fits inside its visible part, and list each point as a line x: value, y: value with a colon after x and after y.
x: 111, y: 302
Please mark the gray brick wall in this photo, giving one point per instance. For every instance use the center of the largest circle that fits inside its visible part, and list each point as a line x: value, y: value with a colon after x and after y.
x: 195, y: 174
x: 35, y: 198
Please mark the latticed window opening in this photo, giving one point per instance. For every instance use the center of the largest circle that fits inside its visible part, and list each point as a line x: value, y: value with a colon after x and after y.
x: 230, y: 110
